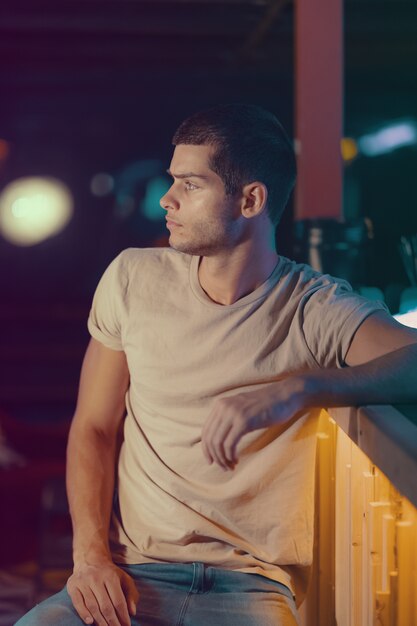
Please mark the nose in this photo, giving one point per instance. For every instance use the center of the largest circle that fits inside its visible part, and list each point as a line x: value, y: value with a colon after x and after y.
x: 168, y: 201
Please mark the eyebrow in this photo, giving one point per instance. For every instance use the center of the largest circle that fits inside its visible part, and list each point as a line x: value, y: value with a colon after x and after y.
x: 186, y: 175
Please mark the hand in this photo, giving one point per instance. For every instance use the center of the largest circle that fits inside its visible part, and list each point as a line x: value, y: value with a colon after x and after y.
x: 234, y: 416
x: 103, y: 594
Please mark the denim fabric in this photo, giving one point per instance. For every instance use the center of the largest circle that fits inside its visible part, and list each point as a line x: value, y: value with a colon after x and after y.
x: 191, y: 594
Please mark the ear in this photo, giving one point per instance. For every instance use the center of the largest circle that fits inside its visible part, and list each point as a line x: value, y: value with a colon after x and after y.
x: 254, y: 198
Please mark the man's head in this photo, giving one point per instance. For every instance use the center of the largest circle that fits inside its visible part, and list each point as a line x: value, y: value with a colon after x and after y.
x: 249, y: 144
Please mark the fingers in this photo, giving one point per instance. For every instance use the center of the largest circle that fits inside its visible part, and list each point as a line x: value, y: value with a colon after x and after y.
x: 100, y: 597
x: 95, y: 606
x: 212, y: 447
x: 79, y: 606
x: 233, y: 416
x: 229, y: 420
x: 91, y: 604
x: 103, y: 609
x: 216, y: 453
x: 219, y: 440
x: 223, y: 447
x: 230, y: 445
x: 130, y: 592
x: 118, y: 603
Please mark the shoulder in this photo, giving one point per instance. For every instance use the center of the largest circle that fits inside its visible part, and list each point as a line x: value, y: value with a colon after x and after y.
x: 304, y: 280
x: 142, y: 261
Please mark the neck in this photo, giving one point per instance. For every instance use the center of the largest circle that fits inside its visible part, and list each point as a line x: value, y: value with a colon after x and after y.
x: 233, y: 274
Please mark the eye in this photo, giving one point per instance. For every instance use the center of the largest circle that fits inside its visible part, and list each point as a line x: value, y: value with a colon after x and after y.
x: 190, y: 186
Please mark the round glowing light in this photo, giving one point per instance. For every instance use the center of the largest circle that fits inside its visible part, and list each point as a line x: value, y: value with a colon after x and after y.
x: 34, y: 209
x: 349, y: 149
x: 102, y: 184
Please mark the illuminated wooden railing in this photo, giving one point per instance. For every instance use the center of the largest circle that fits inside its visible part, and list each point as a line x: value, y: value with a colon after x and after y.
x: 365, y: 563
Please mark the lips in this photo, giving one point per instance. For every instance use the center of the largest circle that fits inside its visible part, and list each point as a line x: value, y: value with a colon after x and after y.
x: 171, y: 222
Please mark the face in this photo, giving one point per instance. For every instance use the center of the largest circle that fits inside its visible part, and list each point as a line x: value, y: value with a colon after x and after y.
x: 201, y: 219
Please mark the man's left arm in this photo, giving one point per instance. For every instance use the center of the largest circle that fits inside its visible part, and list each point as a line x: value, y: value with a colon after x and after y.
x: 382, y: 360
x: 382, y: 369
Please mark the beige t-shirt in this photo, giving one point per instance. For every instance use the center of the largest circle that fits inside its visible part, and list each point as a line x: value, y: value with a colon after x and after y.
x: 183, y: 352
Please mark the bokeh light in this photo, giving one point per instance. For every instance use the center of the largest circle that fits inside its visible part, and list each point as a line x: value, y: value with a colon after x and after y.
x: 102, y: 184
x: 34, y: 209
x: 348, y: 148
x: 155, y: 189
x: 389, y: 138
x: 408, y: 319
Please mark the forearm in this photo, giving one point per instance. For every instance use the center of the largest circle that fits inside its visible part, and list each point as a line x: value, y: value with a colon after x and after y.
x: 91, y: 459
x: 389, y: 379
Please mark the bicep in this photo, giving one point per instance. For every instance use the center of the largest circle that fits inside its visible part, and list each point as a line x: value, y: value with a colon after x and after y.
x: 378, y: 334
x: 103, y: 384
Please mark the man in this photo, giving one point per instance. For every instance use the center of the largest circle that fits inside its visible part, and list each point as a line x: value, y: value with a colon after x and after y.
x: 219, y: 352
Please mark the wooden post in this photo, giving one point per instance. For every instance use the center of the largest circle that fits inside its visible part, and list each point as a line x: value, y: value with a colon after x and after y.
x: 319, y: 108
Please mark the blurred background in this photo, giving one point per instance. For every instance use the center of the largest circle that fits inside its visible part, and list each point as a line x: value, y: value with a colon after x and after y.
x: 91, y: 93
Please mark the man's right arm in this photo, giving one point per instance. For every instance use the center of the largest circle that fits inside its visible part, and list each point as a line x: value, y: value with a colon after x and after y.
x: 100, y: 591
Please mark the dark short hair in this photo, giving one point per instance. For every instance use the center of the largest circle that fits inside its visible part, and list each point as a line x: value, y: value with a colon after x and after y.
x: 250, y: 145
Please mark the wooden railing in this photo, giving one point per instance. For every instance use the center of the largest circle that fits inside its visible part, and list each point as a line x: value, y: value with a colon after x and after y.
x: 365, y: 561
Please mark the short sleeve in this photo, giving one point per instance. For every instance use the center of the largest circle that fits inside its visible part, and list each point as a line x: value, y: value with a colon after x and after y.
x: 107, y: 312
x: 332, y: 313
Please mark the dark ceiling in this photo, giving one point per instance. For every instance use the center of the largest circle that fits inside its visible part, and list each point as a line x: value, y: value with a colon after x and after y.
x: 93, y: 85
x: 109, y: 64
x: 102, y: 65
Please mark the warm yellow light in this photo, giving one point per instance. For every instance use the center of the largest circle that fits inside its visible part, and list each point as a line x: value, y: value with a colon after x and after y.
x: 348, y: 148
x: 34, y: 209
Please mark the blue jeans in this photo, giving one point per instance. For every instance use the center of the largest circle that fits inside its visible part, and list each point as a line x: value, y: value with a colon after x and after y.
x: 192, y: 594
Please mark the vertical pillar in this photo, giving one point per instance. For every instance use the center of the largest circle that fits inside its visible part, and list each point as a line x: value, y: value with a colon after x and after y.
x: 319, y: 108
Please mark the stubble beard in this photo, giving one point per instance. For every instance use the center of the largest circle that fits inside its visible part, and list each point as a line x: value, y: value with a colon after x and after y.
x: 208, y: 239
